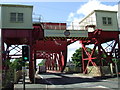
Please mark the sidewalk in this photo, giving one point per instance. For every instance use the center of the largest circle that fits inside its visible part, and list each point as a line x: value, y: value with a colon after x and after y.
x: 29, y: 85
x: 19, y: 85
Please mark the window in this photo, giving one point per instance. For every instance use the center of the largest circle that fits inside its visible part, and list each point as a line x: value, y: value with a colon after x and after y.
x: 104, y: 20
x: 13, y: 17
x: 20, y: 17
x: 107, y: 20
x: 16, y: 17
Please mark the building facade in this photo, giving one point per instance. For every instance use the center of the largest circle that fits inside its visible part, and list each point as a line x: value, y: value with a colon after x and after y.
x: 15, y: 16
x: 100, y: 19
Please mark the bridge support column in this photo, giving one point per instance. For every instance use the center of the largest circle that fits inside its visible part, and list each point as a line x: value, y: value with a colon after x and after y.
x: 55, y: 61
x: 35, y: 61
x: 102, y: 56
x: 62, y: 60
x: 87, y: 58
x: 31, y: 65
x: 84, y: 65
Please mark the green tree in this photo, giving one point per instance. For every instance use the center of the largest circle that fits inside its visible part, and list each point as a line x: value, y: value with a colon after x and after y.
x: 17, y: 64
x: 42, y: 63
x: 77, y: 57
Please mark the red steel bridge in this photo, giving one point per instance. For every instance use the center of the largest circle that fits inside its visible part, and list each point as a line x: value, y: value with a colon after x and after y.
x: 44, y: 45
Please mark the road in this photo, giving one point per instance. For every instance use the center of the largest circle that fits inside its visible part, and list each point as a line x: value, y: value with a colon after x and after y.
x: 71, y: 81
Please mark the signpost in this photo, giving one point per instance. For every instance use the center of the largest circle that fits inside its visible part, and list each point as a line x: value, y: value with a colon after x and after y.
x: 25, y: 57
x: 117, y: 57
x: 23, y: 68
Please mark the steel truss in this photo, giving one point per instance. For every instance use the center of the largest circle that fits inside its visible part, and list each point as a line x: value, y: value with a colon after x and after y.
x: 54, y: 50
x: 97, y: 39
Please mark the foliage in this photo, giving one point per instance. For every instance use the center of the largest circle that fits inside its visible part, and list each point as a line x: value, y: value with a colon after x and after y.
x: 27, y: 65
x: 117, y: 61
x: 77, y: 57
x: 17, y: 64
x: 8, y: 74
x: 42, y: 63
x: 8, y: 77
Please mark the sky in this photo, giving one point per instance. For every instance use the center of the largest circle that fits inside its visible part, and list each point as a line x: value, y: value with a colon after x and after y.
x: 68, y: 12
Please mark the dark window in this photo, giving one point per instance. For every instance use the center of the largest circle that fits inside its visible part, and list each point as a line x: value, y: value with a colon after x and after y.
x: 107, y: 20
x: 16, y: 17
x: 13, y: 17
x: 104, y: 20
x: 20, y: 17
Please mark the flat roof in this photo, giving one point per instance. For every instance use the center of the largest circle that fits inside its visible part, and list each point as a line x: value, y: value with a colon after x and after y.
x: 104, y: 11
x: 15, y: 5
x: 96, y: 11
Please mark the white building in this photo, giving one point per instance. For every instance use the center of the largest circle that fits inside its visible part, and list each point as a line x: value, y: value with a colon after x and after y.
x: 100, y: 19
x: 15, y: 16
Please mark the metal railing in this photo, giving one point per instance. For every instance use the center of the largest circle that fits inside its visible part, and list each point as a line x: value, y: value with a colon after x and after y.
x: 55, y: 27
x: 63, y: 26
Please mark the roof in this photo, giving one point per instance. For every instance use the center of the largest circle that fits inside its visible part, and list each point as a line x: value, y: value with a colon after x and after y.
x: 105, y: 11
x: 97, y: 11
x: 15, y: 5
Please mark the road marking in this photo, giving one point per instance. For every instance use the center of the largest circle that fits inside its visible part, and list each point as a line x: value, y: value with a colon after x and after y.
x: 49, y: 82
x: 40, y: 76
x: 46, y: 80
x: 104, y: 80
x: 101, y: 87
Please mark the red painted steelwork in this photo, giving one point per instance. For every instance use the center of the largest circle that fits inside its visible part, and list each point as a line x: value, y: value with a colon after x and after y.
x: 97, y: 38
x: 35, y: 39
x: 56, y: 50
x: 17, y: 36
x: 50, y: 46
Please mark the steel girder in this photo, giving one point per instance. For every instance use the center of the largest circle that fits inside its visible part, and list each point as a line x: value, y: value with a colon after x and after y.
x: 15, y: 37
x: 97, y: 38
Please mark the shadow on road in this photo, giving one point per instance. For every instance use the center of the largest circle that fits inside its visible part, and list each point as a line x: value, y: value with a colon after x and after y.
x: 65, y: 80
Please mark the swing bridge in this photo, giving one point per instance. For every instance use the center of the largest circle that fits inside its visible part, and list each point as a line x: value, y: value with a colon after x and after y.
x: 49, y: 41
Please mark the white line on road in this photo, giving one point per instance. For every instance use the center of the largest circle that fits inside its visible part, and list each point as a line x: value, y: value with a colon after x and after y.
x: 46, y: 80
x: 101, y: 87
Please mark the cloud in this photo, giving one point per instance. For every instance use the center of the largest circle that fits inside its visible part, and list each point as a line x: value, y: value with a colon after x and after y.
x: 72, y: 48
x: 71, y: 15
x: 86, y: 9
x: 83, y: 11
x: 94, y: 5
